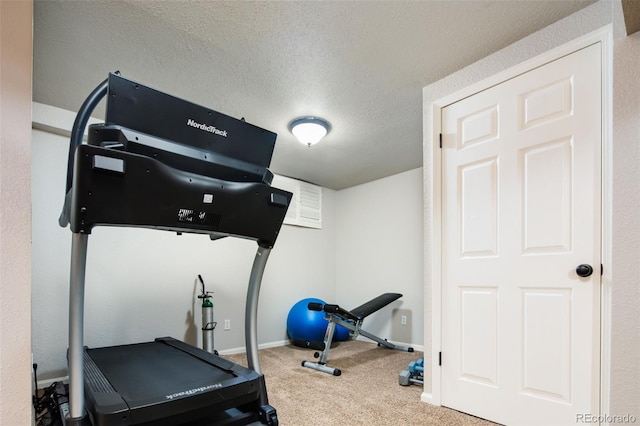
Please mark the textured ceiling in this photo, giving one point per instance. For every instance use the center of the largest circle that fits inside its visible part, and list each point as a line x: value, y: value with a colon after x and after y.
x: 361, y: 65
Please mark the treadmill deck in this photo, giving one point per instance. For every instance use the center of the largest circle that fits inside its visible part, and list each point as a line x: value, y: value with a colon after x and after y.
x: 163, y: 382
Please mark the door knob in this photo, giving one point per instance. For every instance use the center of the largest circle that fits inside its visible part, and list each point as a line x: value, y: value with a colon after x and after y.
x: 584, y: 270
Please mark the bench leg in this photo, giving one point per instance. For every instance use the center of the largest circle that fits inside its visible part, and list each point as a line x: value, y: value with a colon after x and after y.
x: 321, y: 364
x: 323, y: 368
x: 328, y: 338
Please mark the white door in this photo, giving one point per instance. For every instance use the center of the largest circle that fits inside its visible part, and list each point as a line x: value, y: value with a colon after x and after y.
x: 520, y: 212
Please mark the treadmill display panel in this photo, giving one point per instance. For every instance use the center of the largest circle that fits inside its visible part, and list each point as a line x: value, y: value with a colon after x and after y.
x: 141, y: 108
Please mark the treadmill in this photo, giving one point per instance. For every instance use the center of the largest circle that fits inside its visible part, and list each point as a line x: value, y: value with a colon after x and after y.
x: 164, y: 163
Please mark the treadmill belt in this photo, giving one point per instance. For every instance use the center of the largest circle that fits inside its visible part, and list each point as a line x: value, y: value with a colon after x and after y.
x: 165, y: 382
x: 154, y: 371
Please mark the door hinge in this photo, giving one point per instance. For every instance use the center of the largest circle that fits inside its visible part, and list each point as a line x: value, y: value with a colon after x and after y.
x: 601, y: 269
x: 440, y: 140
x: 439, y: 358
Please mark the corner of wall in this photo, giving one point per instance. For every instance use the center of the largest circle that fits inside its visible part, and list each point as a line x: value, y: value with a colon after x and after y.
x: 16, y: 47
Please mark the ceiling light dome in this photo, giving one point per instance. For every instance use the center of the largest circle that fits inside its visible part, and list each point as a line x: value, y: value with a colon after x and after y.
x: 309, y: 130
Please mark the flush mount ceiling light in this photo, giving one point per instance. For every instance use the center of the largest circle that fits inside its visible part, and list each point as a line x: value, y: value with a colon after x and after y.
x: 309, y: 130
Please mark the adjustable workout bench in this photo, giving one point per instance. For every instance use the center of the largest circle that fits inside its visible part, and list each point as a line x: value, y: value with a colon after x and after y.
x: 351, y: 320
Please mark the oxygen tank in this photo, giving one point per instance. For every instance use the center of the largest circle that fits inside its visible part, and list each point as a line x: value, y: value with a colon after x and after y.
x: 208, y: 325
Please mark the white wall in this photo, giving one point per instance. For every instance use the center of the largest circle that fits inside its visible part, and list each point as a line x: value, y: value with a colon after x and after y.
x: 379, y: 249
x: 141, y: 283
x: 625, y: 165
x: 15, y: 216
x: 625, y: 312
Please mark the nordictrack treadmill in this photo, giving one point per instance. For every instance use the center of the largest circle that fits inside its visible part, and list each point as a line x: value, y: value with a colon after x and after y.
x: 163, y: 163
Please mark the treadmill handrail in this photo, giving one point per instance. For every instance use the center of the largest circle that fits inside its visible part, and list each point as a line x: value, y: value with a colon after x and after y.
x: 77, y: 135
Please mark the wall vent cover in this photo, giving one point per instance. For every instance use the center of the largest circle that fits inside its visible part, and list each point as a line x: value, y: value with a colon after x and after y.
x: 306, y: 205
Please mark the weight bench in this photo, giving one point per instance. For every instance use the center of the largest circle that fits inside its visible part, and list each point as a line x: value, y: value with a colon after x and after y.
x: 351, y: 320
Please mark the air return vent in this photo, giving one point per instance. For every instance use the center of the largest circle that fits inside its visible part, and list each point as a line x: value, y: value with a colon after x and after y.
x: 306, y: 205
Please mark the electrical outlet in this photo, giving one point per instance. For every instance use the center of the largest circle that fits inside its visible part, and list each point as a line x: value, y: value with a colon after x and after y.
x: 227, y: 324
x: 403, y: 320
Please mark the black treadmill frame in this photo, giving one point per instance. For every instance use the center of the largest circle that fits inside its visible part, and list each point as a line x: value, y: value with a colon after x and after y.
x: 82, y: 216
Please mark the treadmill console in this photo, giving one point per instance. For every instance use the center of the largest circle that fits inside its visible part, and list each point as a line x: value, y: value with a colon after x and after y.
x: 190, y: 127
x: 165, y: 163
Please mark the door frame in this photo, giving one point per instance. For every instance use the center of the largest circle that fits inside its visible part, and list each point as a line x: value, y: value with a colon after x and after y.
x: 433, y: 196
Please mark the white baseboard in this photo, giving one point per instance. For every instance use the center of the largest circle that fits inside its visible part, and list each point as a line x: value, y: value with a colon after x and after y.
x: 48, y: 382
x: 418, y: 348
x: 239, y: 350
x: 242, y: 349
x: 428, y: 398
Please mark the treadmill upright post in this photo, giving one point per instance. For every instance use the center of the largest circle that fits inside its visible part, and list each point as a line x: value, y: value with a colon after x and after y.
x: 251, y: 309
x: 76, y: 325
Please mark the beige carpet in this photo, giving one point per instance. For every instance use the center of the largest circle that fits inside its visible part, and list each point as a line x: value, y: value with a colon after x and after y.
x: 367, y: 392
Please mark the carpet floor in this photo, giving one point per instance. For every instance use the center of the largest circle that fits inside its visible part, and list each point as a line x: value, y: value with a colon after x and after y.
x: 367, y: 392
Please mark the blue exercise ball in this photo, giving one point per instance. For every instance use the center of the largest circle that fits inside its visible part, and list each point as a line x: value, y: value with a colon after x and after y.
x: 341, y: 334
x: 307, y: 325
